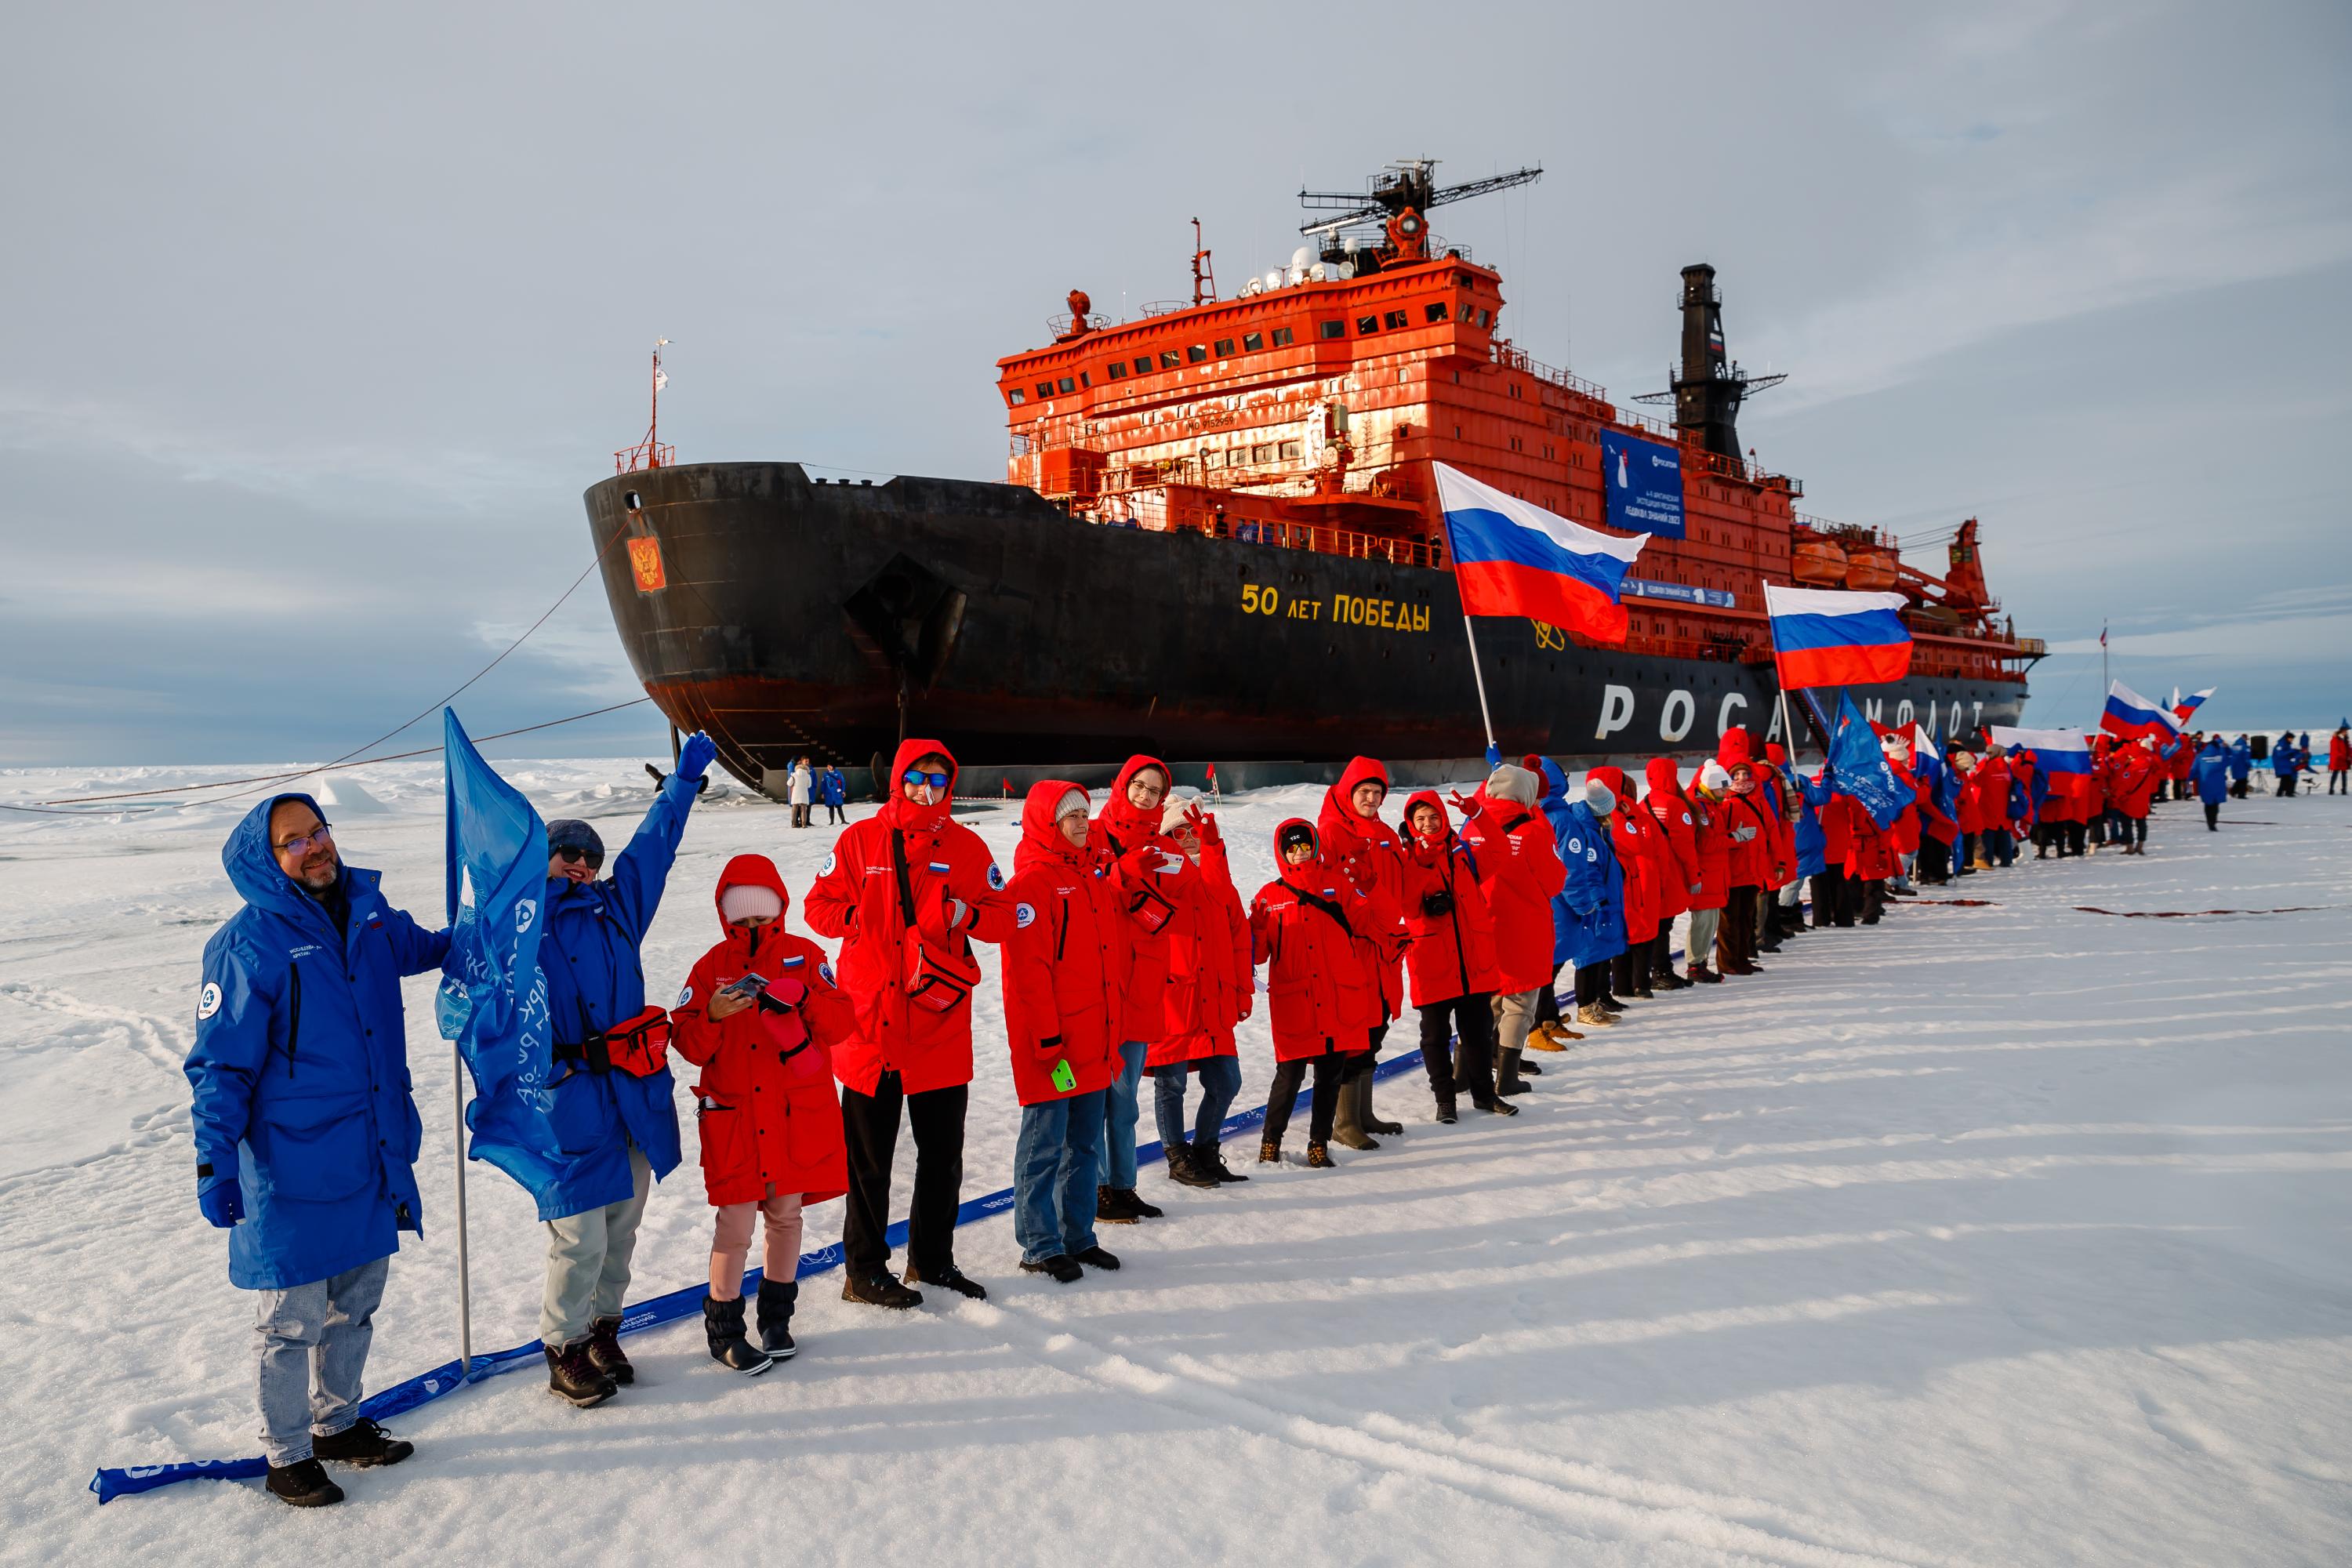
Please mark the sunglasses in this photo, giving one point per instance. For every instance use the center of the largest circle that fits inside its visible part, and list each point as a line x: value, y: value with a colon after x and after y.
x: 571, y: 855
x: 936, y: 781
x: 318, y: 837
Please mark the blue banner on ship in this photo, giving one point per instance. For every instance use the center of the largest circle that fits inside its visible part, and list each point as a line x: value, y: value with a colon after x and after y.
x: 1646, y: 485
x: 1683, y: 592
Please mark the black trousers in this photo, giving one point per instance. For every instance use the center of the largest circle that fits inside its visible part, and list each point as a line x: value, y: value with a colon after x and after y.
x: 1736, y: 938
x: 1935, y: 860
x: 2237, y: 789
x: 2134, y: 829
x: 1547, y: 1002
x: 1591, y: 982
x: 1661, y: 949
x: 2078, y: 834
x: 1331, y: 1070
x: 2213, y: 815
x: 1472, y: 1070
x: 1621, y: 973
x: 2337, y: 783
x: 1827, y: 898
x: 869, y: 1127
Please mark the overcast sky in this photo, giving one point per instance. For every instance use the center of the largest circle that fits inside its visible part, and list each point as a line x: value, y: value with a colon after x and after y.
x: 319, y: 318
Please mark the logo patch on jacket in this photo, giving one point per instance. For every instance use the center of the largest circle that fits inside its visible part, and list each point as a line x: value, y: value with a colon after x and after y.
x: 1023, y: 915
x: 826, y: 970
x: 995, y: 877
x: 685, y: 995
x: 831, y: 858
x: 794, y: 962
x: 1574, y: 844
x: 208, y: 1000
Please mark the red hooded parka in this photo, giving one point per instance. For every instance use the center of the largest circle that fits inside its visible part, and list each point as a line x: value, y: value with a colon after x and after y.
x: 1450, y: 953
x: 1317, y: 998
x: 1065, y: 966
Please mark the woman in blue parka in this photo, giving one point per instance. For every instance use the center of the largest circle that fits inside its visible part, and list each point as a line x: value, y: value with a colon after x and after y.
x: 2211, y: 771
x: 304, y: 1128
x: 1588, y: 915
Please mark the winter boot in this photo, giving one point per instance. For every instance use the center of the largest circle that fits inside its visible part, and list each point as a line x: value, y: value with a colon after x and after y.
x: 1318, y: 1157
x: 1365, y: 1115
x: 1595, y: 1017
x: 1347, y: 1126
x: 1527, y: 1068
x: 1095, y: 1257
x: 1210, y: 1158
x: 362, y: 1443
x: 604, y: 1350
x: 573, y: 1378
x: 303, y: 1484
x: 1060, y: 1267
x: 879, y: 1290
x: 1507, y: 1074
x: 1112, y: 1207
x: 1142, y: 1210
x: 1184, y: 1168
x: 722, y: 1326
x: 1446, y: 1117
x: 776, y: 1303
x: 949, y: 1277
x: 1269, y: 1152
x: 1700, y: 974
x: 1548, y: 1035
x: 1492, y: 1105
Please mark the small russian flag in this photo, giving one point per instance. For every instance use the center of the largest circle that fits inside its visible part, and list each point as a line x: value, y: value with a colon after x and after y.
x: 2129, y: 716
x: 1828, y: 636
x: 1511, y: 557
x: 2182, y: 707
x: 2063, y: 755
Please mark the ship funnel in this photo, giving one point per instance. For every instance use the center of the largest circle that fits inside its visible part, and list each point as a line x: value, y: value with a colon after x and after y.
x: 1709, y: 385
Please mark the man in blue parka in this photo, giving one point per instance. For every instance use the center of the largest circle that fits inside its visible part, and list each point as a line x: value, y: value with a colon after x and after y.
x: 2241, y: 765
x: 304, y: 1128
x: 2212, y: 773
x: 833, y: 789
x: 1588, y: 915
x: 619, y: 1127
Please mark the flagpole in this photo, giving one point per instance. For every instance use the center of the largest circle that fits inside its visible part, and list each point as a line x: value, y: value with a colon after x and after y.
x: 465, y: 1275
x: 1480, y: 677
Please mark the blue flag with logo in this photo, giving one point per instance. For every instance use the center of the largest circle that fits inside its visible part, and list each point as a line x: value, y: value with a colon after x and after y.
x: 493, y: 998
x: 1862, y: 770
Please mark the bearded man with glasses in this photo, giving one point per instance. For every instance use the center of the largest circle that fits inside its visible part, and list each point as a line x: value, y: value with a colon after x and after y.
x: 304, y: 1128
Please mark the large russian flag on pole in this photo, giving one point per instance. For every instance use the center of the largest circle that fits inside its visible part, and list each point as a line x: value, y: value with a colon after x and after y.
x: 1512, y: 557
x: 2129, y: 716
x: 1828, y: 636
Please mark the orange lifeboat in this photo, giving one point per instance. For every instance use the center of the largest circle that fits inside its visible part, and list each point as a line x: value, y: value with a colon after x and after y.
x: 1870, y: 569
x: 1818, y: 561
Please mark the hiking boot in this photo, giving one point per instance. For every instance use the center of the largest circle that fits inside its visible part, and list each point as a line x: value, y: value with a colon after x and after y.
x: 362, y: 1443
x: 1095, y: 1257
x: 1529, y: 1070
x: 879, y: 1290
x: 604, y: 1350
x: 303, y: 1484
x: 1492, y: 1107
x: 1446, y: 1117
x: 1318, y: 1157
x: 1550, y: 1037
x: 1210, y: 1158
x: 722, y: 1328
x: 775, y: 1308
x: 1111, y: 1207
x: 1608, y: 1004
x: 1594, y: 1018
x: 573, y: 1378
x: 1064, y: 1269
x: 1700, y: 974
x: 1184, y: 1169
x: 1269, y: 1152
x: 950, y: 1278
x: 1142, y: 1210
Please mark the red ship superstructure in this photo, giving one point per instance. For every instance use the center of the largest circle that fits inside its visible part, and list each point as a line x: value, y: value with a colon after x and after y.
x: 1307, y: 410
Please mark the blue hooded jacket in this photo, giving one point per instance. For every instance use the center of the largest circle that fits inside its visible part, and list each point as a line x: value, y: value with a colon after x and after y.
x: 2283, y: 761
x: 596, y: 979
x: 1588, y: 915
x: 1813, y: 844
x: 2242, y: 760
x: 299, y: 1070
x: 2211, y: 771
x: 1554, y: 805
x: 831, y: 787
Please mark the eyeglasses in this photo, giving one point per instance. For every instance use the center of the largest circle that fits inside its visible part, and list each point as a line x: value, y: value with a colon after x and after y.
x: 571, y: 855
x: 936, y: 781
x: 303, y: 843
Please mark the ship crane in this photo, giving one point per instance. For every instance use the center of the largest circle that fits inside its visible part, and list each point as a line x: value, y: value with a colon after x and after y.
x: 1398, y: 199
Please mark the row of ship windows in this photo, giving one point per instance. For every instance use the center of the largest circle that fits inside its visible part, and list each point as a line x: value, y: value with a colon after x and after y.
x: 1251, y: 343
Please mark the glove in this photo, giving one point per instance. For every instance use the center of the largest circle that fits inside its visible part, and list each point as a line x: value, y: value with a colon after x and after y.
x: 1742, y: 834
x: 782, y: 995
x: 1465, y: 804
x: 944, y: 917
x: 1494, y: 756
x: 1204, y: 823
x: 219, y: 1198
x: 1438, y: 903
x: 694, y: 758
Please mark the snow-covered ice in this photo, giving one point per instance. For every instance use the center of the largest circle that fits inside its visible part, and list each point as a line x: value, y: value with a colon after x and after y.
x: 1996, y: 1235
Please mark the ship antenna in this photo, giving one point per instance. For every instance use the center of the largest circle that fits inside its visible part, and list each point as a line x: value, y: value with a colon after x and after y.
x: 1204, y: 277
x: 648, y: 453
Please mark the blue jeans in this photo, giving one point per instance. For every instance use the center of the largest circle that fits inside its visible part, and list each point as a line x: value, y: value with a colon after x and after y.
x: 1119, y: 1112
x: 314, y: 1347
x: 1220, y: 1080
x: 1055, y: 1166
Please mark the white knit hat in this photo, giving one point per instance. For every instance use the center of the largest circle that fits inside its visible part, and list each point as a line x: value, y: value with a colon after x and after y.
x: 1172, y: 815
x: 1074, y: 800
x: 747, y: 900
x: 1600, y: 798
x: 1713, y: 777
x: 1512, y: 783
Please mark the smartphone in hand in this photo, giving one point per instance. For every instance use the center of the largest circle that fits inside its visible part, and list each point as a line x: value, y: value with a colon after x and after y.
x: 748, y: 986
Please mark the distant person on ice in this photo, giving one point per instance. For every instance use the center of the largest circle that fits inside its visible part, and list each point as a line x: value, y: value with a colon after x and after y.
x: 304, y: 1128
x: 802, y: 792
x: 2212, y: 776
x: 760, y: 1015
x: 2339, y: 760
x: 835, y: 790
x: 613, y: 1095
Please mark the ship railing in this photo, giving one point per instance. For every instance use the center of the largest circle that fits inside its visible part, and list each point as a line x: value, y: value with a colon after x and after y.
x: 644, y: 455
x: 1512, y: 358
x: 1324, y: 539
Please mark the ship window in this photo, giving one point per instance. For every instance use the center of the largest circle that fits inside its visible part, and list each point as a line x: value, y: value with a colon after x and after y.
x: 1170, y: 359
x: 1437, y: 312
x: 1485, y: 318
x: 1118, y: 368
x: 1213, y: 458
x: 1367, y: 325
x: 1225, y: 348
x: 1195, y: 353
x: 1282, y: 337
x: 1017, y: 398
x: 1253, y: 341
x: 1290, y: 451
x: 1045, y: 389
x: 1394, y: 319
x: 1143, y: 365
x: 1262, y: 454
x: 1066, y: 385
x: 1085, y: 380
x: 1333, y: 328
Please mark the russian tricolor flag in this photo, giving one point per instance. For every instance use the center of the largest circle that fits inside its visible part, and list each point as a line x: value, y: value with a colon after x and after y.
x: 2130, y: 716
x: 2182, y: 707
x: 1828, y: 636
x: 1512, y: 557
x: 2055, y: 751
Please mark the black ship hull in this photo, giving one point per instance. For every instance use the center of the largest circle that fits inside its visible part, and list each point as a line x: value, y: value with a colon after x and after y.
x: 800, y: 617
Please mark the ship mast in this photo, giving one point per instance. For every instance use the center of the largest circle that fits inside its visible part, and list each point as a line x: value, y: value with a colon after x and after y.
x: 649, y: 452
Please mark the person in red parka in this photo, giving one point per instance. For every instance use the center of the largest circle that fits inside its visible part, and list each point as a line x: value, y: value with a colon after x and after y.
x: 909, y: 889
x: 2340, y: 761
x: 1992, y: 778
x: 1520, y: 872
x: 760, y: 1017
x: 1318, y: 998
x: 2131, y: 775
x: 1752, y: 859
x: 1152, y: 872
x: 1065, y: 972
x: 1369, y: 854
x: 1450, y: 959
x: 1634, y: 835
x: 1677, y: 864
x: 1211, y: 981
x: 1710, y: 804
